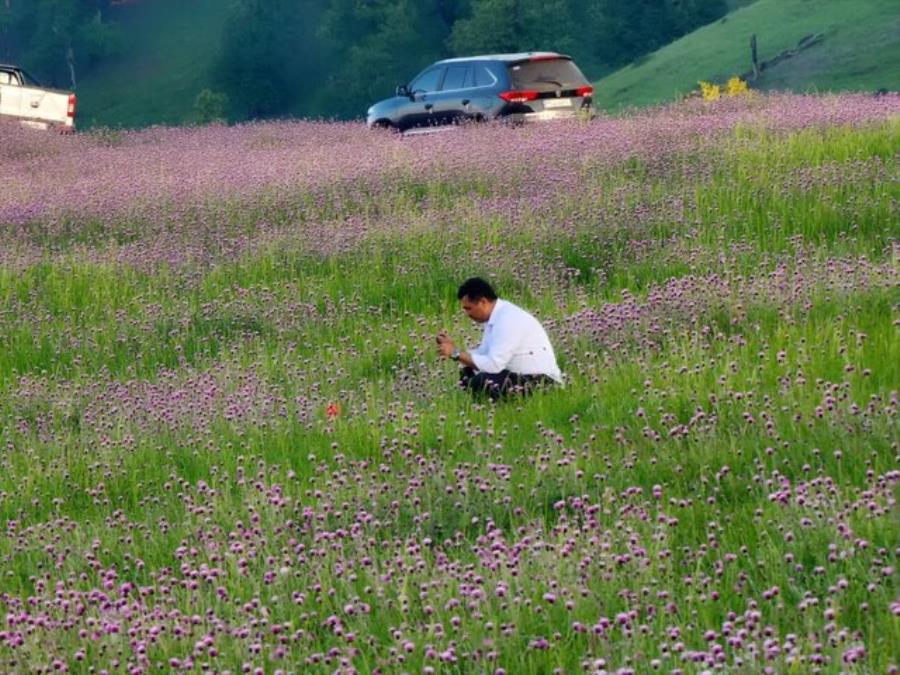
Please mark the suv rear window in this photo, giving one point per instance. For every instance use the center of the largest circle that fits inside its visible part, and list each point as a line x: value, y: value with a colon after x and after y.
x: 546, y: 74
x: 483, y: 76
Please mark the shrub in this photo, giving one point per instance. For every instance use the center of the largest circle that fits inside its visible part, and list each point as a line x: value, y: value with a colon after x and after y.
x: 713, y: 92
x: 710, y: 92
x: 209, y: 106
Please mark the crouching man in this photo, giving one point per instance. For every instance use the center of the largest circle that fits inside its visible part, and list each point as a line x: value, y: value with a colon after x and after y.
x: 515, y: 355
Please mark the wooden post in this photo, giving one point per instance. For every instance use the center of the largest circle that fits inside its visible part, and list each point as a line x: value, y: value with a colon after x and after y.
x: 754, y: 57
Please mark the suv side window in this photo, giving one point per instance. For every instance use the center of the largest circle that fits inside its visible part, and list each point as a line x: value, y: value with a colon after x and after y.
x: 7, y: 78
x: 455, y: 79
x: 428, y: 81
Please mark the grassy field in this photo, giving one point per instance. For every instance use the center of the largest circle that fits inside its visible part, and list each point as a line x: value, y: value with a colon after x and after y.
x: 228, y: 445
x: 860, y: 52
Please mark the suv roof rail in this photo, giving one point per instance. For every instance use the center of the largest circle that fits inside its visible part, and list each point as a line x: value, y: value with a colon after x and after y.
x: 509, y: 58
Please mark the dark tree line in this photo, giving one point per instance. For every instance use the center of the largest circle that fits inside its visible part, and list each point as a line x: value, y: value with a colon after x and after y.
x: 334, y: 57
x: 57, y: 39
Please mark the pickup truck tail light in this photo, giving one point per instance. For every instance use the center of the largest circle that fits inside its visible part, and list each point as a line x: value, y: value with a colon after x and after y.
x: 71, y: 111
x: 518, y: 96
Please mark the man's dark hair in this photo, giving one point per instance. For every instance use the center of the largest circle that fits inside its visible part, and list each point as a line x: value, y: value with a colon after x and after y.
x: 475, y: 289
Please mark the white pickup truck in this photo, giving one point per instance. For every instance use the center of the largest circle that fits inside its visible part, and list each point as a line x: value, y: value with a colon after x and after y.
x: 22, y: 98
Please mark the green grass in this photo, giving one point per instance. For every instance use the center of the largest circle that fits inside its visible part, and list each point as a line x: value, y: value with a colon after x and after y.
x: 170, y: 48
x: 860, y: 52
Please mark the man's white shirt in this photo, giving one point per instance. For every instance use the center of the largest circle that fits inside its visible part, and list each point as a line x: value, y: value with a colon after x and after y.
x: 514, y: 340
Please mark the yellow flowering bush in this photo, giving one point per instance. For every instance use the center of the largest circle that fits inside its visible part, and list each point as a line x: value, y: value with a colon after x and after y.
x: 711, y: 92
x: 736, y: 87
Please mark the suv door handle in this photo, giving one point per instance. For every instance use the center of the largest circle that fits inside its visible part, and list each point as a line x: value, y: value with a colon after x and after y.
x: 429, y: 106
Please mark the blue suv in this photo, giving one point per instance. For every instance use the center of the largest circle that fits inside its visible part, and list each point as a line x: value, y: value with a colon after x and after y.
x: 517, y: 87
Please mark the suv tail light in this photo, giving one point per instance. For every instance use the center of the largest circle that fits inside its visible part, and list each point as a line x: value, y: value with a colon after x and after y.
x: 71, y: 110
x: 585, y: 91
x: 518, y: 96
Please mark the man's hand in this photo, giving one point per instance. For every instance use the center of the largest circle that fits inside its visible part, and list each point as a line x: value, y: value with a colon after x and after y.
x: 445, y: 345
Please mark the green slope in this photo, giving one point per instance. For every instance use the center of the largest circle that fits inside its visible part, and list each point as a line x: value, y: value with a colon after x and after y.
x: 860, y: 51
x: 171, y: 45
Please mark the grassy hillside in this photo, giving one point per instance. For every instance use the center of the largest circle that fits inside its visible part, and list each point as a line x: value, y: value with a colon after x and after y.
x: 860, y: 51
x: 172, y: 44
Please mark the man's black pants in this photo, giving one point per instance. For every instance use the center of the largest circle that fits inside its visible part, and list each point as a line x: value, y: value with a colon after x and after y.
x: 500, y: 385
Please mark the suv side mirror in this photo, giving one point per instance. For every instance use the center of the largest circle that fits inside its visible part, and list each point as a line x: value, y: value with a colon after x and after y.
x: 402, y: 90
